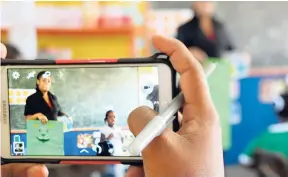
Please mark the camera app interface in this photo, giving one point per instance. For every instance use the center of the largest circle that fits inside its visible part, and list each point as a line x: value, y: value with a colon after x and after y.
x: 77, y: 111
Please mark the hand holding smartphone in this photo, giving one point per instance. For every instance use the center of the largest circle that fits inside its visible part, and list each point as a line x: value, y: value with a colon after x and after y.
x: 98, y: 94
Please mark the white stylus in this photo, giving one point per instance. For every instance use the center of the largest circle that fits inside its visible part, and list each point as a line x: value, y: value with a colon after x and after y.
x: 157, y: 125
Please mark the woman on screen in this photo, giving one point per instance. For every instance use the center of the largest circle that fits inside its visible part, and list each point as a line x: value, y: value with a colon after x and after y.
x: 112, y: 134
x: 43, y: 105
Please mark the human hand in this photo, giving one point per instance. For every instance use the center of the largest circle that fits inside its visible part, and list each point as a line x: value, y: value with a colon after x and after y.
x: 110, y: 136
x: 196, y: 149
x: 25, y: 170
x: 3, y: 51
x: 15, y: 170
x: 70, y: 119
x: 43, y: 119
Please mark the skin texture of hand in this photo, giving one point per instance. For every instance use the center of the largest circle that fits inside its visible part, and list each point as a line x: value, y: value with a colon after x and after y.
x: 21, y: 170
x: 24, y: 170
x: 3, y: 51
x: 196, y: 149
x: 43, y: 119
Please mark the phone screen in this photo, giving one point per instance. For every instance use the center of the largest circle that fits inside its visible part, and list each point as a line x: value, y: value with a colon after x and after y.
x: 77, y: 111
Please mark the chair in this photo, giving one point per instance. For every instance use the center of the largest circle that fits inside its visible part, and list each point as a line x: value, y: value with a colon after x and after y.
x: 269, y: 164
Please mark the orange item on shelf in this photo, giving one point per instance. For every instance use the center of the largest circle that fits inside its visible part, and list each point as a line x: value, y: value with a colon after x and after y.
x: 91, y: 13
x: 110, y: 22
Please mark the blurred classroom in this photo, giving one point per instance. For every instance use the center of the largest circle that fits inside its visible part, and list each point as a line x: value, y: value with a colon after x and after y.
x: 117, y: 29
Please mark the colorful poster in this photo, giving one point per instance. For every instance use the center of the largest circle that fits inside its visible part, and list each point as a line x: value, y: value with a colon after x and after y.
x: 235, y: 90
x: 240, y: 64
x: 236, y: 113
x: 85, y: 141
x: 167, y: 21
x: 45, y: 139
x: 270, y: 89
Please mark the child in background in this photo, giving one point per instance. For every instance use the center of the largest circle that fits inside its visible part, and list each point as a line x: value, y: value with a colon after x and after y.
x: 275, y: 139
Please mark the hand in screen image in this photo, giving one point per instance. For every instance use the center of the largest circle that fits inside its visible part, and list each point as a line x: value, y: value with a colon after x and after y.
x: 43, y: 105
x: 150, y: 92
x: 154, y: 97
x: 112, y: 139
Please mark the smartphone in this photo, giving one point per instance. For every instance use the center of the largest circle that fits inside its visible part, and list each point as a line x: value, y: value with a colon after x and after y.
x: 75, y: 111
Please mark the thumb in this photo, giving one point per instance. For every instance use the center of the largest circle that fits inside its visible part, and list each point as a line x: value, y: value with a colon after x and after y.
x: 138, y: 119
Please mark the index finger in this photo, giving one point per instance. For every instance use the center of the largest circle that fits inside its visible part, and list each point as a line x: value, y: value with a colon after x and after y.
x: 24, y: 170
x: 192, y: 77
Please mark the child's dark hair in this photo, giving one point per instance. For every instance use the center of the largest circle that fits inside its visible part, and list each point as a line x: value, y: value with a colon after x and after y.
x: 107, y: 114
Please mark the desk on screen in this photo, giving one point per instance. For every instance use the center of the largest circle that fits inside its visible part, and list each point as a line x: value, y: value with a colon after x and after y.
x: 72, y: 144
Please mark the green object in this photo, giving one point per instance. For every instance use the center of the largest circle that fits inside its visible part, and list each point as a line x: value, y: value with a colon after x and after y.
x: 45, y: 139
x: 219, y: 83
x: 271, y: 142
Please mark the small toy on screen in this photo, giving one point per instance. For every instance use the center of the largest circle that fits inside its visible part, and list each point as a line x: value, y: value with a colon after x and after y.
x: 85, y: 141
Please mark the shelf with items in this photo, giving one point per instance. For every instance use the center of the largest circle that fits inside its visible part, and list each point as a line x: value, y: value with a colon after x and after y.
x: 126, y: 30
x: 90, y: 32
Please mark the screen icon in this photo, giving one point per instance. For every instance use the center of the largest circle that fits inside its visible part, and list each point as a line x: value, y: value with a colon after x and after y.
x: 18, y: 147
x: 31, y: 75
x: 84, y: 151
x: 15, y: 75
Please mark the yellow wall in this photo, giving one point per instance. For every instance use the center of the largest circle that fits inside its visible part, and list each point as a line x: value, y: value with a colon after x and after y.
x: 87, y: 46
x: 84, y: 46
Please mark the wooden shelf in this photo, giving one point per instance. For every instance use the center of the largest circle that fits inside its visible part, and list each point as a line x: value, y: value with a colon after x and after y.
x: 98, y: 31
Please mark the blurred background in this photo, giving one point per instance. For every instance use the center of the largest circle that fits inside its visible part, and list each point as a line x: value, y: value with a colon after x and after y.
x: 258, y: 63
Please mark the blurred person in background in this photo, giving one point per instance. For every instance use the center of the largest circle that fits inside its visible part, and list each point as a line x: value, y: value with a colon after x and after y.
x: 204, y: 34
x: 12, y: 52
x: 275, y: 139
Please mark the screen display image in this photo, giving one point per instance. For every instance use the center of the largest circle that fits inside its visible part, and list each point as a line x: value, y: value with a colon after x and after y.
x: 77, y: 111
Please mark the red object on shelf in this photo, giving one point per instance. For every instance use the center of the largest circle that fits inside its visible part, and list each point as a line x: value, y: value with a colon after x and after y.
x: 114, y: 22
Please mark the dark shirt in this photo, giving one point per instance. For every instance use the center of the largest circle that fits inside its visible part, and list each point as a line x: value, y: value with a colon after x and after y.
x: 192, y: 36
x: 35, y: 103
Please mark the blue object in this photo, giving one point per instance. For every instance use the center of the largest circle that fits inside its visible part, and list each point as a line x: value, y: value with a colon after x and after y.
x: 255, y: 119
